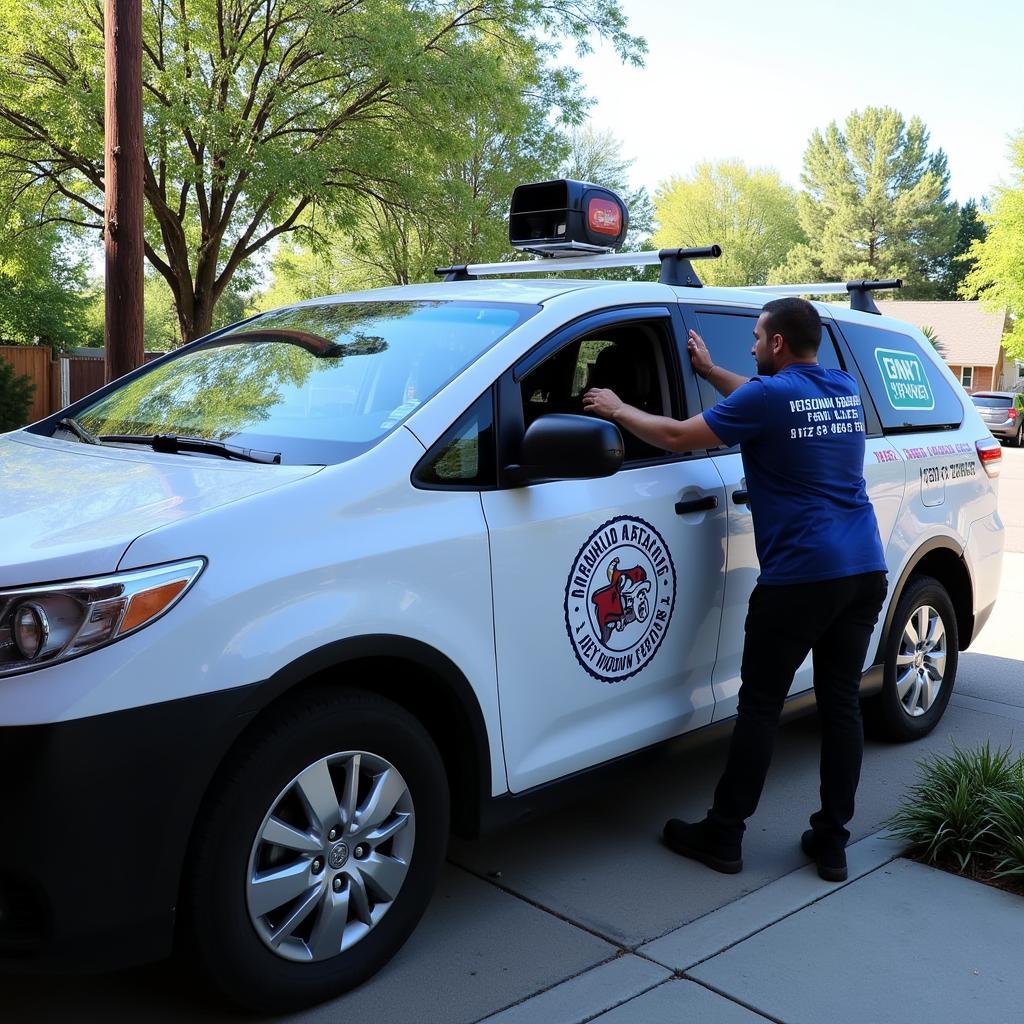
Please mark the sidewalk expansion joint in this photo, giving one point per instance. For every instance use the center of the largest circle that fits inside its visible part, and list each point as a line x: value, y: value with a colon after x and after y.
x: 797, y: 910
x: 732, y: 999
x: 548, y: 988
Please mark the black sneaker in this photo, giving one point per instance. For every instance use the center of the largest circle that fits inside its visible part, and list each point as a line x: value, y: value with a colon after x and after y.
x: 695, y: 842
x: 831, y: 861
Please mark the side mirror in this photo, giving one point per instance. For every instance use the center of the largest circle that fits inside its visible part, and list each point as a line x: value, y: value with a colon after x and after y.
x: 560, y: 446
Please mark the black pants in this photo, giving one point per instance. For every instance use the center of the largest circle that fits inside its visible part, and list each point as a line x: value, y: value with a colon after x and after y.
x: 834, y: 619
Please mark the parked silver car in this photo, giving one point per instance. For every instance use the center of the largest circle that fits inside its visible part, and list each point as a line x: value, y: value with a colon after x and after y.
x: 1003, y: 413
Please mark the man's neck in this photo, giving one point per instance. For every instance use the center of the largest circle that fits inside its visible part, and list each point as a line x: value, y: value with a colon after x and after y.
x: 812, y: 361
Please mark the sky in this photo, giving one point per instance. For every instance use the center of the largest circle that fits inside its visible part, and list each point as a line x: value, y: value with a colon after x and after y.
x: 738, y: 79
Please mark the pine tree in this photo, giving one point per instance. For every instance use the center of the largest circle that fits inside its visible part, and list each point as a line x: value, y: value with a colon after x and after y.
x: 875, y: 204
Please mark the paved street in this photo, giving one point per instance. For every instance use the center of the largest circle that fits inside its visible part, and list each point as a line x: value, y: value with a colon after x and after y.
x: 1011, y: 497
x: 586, y: 896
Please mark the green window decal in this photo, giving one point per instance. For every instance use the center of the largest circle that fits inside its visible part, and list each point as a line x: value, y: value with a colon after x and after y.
x: 906, y: 383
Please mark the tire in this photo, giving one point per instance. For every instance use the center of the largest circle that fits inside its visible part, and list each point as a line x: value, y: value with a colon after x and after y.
x: 1018, y: 438
x: 907, y: 707
x: 266, y: 904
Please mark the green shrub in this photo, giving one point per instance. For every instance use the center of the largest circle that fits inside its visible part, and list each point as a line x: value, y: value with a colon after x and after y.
x: 16, y: 392
x: 966, y: 811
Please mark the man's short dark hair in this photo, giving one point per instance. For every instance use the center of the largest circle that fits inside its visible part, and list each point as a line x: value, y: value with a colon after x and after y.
x: 798, y: 323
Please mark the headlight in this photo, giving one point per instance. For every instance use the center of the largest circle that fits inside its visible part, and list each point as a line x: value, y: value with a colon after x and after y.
x: 45, y: 624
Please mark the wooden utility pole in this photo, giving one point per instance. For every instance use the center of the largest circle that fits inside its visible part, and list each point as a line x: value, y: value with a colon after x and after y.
x: 122, y: 221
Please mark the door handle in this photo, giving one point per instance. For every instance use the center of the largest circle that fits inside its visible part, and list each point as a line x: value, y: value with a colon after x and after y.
x: 740, y: 498
x: 705, y: 504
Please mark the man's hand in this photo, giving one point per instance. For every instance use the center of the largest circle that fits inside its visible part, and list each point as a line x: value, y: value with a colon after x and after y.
x: 602, y: 402
x: 699, y: 355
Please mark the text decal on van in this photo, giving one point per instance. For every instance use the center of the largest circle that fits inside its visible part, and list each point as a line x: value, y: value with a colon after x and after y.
x: 906, y: 384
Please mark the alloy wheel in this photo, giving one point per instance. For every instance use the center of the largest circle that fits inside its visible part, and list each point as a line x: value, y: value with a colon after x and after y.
x: 330, y: 856
x: 921, y: 661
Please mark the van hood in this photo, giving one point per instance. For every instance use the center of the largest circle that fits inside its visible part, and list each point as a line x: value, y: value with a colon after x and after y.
x: 69, y: 510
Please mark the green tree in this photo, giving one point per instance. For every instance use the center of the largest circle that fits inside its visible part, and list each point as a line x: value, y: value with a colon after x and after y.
x: 455, y: 214
x: 955, y: 266
x: 16, y: 392
x: 748, y: 211
x: 997, y: 277
x: 875, y: 204
x: 258, y: 112
x: 42, y: 283
x: 460, y: 204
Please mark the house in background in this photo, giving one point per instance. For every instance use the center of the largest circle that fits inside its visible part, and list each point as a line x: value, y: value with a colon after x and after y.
x: 969, y: 338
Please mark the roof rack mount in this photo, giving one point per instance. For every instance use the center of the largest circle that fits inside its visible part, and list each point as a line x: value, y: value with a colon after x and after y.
x: 859, y: 291
x: 675, y: 265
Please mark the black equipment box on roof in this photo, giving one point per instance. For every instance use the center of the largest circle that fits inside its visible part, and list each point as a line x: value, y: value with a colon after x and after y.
x: 565, y: 216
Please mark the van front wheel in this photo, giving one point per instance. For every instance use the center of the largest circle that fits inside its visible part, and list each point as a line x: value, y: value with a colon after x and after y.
x: 318, y: 850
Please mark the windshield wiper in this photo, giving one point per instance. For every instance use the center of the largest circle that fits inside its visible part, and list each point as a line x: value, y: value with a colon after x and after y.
x: 175, y: 443
x: 78, y: 430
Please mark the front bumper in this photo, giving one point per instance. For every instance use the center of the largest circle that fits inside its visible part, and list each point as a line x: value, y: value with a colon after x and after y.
x: 95, y: 820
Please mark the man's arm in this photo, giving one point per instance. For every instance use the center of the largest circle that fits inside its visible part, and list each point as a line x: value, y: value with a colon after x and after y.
x: 724, y: 381
x: 662, y: 431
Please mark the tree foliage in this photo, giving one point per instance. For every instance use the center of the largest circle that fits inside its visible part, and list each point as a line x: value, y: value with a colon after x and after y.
x: 997, y: 276
x: 463, y: 215
x: 875, y: 204
x: 42, y: 282
x: 748, y: 211
x: 957, y: 264
x: 259, y: 113
x: 16, y: 392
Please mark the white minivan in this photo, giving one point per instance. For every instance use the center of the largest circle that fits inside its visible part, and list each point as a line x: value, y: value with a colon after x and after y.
x: 280, y: 609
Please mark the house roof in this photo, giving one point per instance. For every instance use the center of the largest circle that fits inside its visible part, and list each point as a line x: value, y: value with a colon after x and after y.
x: 967, y: 334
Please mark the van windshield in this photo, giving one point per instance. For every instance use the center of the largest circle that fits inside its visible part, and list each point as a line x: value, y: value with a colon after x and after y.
x: 318, y: 383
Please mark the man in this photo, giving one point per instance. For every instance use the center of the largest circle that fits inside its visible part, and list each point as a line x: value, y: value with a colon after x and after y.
x: 800, y: 428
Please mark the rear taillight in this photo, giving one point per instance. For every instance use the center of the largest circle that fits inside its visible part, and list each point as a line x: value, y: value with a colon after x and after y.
x: 990, y: 453
x: 1012, y: 413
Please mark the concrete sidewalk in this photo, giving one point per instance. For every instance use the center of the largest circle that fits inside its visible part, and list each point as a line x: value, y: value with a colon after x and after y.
x: 898, y: 942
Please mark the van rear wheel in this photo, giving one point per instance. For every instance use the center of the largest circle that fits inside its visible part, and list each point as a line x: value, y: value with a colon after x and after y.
x: 921, y: 656
x: 318, y: 850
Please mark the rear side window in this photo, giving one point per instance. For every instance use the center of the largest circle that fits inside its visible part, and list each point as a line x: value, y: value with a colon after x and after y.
x: 730, y: 337
x: 908, y: 389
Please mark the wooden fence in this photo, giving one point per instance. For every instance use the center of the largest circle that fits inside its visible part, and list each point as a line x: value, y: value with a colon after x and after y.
x: 72, y: 379
x: 58, y: 382
x: 34, y: 362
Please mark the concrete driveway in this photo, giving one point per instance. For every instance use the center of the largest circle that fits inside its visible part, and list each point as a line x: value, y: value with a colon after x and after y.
x: 575, y: 893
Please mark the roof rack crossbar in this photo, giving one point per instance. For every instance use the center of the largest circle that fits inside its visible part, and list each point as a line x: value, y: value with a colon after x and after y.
x: 859, y: 291
x: 675, y: 265
x: 676, y: 268
x: 547, y: 265
x: 458, y: 272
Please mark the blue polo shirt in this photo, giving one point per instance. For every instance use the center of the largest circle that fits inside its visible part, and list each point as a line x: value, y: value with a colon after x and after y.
x: 801, y: 436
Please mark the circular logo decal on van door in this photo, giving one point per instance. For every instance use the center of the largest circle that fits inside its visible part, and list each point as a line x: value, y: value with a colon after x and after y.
x: 619, y: 598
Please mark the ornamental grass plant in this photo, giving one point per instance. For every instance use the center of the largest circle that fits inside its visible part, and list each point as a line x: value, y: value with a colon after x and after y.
x: 966, y: 814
